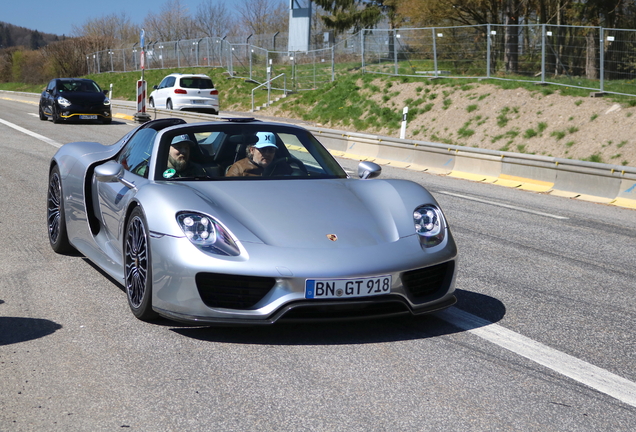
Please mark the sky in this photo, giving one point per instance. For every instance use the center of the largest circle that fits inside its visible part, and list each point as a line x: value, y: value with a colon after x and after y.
x: 58, y: 18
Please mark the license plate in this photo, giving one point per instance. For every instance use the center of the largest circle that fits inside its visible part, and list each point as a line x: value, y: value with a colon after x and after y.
x: 346, y: 288
x: 198, y: 102
x: 88, y: 117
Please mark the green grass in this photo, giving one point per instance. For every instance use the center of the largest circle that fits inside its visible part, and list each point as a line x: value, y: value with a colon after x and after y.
x: 502, y: 118
x: 558, y: 134
x: 596, y: 157
x: 465, y: 131
x: 530, y: 133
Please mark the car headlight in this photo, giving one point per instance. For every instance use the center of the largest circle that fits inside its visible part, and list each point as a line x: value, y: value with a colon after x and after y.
x: 63, y: 101
x: 106, y: 101
x: 207, y: 234
x: 429, y: 225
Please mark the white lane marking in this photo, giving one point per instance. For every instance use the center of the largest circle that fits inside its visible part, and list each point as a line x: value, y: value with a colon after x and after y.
x: 33, y: 134
x: 503, y: 205
x: 565, y: 364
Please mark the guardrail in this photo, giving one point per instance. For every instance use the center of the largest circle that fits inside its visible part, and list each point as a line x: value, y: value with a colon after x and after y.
x: 588, y: 181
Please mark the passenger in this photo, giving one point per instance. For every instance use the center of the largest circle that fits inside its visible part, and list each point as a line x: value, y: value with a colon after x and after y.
x: 179, y: 163
x: 259, y: 156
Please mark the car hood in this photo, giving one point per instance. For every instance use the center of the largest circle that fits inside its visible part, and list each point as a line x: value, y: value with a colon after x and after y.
x: 83, y: 97
x: 309, y: 213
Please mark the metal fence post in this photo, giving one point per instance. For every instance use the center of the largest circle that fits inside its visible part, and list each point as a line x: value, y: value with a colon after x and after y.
x: 207, y: 49
x: 488, y: 49
x: 395, y: 56
x: 543, y: 35
x: 601, y: 46
x: 176, y: 47
x: 434, y: 51
x: 362, y: 49
x: 333, y: 63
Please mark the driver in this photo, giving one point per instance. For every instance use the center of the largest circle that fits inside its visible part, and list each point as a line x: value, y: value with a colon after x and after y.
x: 259, y: 156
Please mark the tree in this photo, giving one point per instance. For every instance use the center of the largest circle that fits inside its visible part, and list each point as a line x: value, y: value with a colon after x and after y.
x: 36, y: 40
x: 109, y: 31
x: 261, y: 17
x: 171, y: 24
x: 511, y: 36
x: 213, y: 19
x: 344, y: 15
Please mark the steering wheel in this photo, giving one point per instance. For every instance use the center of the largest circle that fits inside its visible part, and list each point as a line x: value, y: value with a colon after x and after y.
x: 289, y: 160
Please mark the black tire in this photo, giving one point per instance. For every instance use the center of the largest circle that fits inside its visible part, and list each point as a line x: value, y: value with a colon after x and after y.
x: 169, y: 104
x: 54, y: 114
x: 41, y: 113
x: 137, y: 267
x: 107, y: 120
x: 55, y: 219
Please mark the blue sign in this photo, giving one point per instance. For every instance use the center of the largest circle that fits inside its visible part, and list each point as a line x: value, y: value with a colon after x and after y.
x: 143, y: 35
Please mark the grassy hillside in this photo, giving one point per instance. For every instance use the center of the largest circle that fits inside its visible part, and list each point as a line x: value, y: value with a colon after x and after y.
x: 499, y: 115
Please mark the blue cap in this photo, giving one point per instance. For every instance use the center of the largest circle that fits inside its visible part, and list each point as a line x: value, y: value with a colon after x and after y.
x: 265, y: 139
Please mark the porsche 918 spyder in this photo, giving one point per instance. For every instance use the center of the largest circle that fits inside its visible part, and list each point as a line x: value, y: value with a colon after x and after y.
x: 248, y: 222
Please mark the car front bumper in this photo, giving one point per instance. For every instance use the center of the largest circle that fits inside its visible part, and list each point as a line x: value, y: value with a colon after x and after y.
x: 183, y: 292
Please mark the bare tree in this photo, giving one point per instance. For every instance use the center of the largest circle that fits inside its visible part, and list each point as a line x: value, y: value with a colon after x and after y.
x: 260, y: 17
x: 114, y: 30
x: 173, y: 22
x: 213, y: 19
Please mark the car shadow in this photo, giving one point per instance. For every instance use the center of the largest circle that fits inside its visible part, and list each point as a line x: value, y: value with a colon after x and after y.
x: 18, y: 329
x: 486, y: 308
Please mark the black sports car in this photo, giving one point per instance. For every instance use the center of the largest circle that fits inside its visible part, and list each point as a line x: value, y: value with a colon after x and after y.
x: 74, y: 98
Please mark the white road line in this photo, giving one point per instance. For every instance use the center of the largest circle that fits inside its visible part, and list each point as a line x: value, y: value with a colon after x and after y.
x: 578, y: 370
x: 503, y: 205
x: 33, y: 134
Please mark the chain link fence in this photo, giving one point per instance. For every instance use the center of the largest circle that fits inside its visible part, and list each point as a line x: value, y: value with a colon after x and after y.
x: 594, y: 58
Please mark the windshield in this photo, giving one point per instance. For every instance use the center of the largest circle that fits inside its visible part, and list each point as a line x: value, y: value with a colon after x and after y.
x: 196, y: 83
x: 242, y: 151
x: 78, y: 86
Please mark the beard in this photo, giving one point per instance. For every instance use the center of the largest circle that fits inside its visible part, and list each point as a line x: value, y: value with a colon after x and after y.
x: 256, y: 162
x: 178, y: 165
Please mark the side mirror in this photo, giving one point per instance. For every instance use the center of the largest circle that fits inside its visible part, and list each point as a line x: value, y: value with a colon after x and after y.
x: 105, y: 92
x: 110, y: 172
x: 368, y: 170
x: 156, y: 87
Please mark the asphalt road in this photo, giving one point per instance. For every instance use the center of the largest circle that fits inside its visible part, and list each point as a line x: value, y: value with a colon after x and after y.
x: 542, y: 338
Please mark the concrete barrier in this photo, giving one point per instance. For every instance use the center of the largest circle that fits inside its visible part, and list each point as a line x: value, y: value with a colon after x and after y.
x: 626, y: 196
x: 437, y: 159
x: 477, y: 165
x: 418, y: 156
x: 586, y: 181
x: 527, y: 172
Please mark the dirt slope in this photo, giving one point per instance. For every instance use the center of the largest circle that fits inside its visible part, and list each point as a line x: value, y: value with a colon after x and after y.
x: 518, y: 120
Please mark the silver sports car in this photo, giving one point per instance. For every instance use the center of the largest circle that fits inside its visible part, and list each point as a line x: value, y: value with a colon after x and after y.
x: 248, y: 222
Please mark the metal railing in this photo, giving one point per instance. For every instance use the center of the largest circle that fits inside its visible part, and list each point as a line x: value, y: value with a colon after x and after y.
x: 268, y: 83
